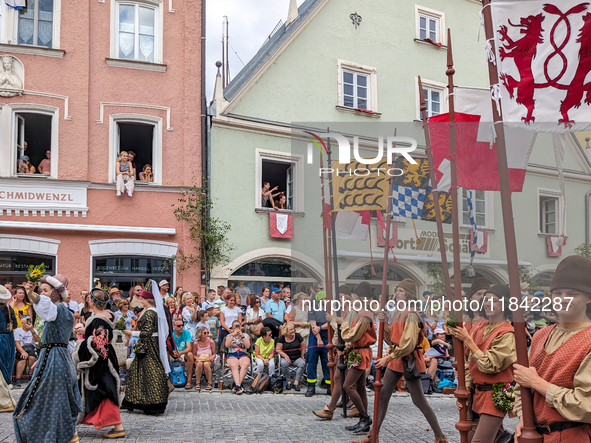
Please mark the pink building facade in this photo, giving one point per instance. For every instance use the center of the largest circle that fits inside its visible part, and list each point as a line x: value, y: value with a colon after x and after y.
x: 80, y: 82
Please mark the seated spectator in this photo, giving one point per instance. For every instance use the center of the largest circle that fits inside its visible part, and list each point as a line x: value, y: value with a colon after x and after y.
x: 267, y: 194
x: 237, y: 343
x: 204, y: 356
x: 175, y: 312
x: 125, y: 175
x: 291, y: 348
x: 264, y: 351
x: 438, y: 352
x: 25, y: 338
x: 203, y: 317
x: 184, y: 345
x: 123, y: 305
x: 45, y: 165
x: 254, y: 317
x: 25, y: 166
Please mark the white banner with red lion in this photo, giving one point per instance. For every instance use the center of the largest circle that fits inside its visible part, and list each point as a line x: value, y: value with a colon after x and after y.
x: 543, y: 52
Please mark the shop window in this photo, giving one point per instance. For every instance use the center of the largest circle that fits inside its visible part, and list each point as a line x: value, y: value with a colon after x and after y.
x: 127, y: 272
x: 14, y: 267
x: 137, y: 32
x: 33, y: 143
x: 35, y: 23
x: 139, y: 139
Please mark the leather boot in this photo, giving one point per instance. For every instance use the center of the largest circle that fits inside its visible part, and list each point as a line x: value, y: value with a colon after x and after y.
x: 364, y: 425
x: 311, y: 390
x: 325, y: 414
x: 366, y: 439
x: 441, y: 440
x: 355, y: 426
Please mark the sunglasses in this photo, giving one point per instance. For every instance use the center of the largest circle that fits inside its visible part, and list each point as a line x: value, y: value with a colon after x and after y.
x: 258, y: 301
x: 205, y: 333
x: 178, y: 326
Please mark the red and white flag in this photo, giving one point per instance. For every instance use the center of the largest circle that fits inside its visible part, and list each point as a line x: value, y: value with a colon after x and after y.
x: 476, y: 159
x: 281, y: 225
x: 543, y: 53
x: 554, y: 246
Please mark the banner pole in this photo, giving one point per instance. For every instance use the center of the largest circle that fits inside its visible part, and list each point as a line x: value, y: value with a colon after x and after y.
x: 528, y: 433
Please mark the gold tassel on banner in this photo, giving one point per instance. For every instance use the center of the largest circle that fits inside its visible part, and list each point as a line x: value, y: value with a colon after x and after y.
x: 419, y: 241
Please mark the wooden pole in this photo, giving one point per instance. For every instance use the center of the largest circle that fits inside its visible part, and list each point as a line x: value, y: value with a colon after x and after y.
x: 528, y: 433
x: 335, y: 268
x: 327, y: 274
x: 378, y: 382
x: 461, y: 393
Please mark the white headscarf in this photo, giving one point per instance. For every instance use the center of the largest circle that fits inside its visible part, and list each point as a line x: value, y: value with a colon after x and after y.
x: 162, y: 326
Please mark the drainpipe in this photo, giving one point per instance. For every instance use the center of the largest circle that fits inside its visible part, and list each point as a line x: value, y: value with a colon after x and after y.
x: 204, y: 118
x: 587, y: 222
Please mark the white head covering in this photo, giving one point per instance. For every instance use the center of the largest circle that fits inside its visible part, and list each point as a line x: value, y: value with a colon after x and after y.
x: 5, y: 294
x: 162, y: 326
x: 57, y: 285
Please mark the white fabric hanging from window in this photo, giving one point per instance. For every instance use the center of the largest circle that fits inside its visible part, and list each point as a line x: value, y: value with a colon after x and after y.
x: 16, y: 4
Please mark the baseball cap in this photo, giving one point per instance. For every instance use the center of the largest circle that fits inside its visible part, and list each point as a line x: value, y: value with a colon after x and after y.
x: 275, y: 289
x: 438, y: 331
x: 427, y: 293
x: 162, y: 283
x: 206, y: 305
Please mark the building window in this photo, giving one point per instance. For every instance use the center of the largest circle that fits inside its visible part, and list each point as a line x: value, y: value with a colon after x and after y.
x: 14, y: 266
x: 356, y: 90
x: 357, y: 86
x: 35, y: 23
x: 480, y: 204
x: 549, y: 220
x: 142, y: 135
x: 139, y: 139
x: 433, y: 99
x: 33, y: 143
x: 283, y: 171
x: 430, y: 25
x: 428, y: 28
x: 137, y: 32
x: 279, y: 174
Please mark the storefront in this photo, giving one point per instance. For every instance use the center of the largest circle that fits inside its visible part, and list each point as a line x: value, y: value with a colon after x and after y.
x: 127, y: 272
x: 14, y: 266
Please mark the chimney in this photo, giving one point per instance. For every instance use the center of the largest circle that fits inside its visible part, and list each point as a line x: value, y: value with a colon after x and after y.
x: 293, y: 12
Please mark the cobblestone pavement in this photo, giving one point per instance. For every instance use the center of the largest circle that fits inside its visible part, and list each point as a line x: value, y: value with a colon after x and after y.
x: 219, y: 418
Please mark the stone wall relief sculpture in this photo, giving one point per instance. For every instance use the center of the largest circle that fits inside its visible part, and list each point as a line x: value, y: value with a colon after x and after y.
x: 11, y: 76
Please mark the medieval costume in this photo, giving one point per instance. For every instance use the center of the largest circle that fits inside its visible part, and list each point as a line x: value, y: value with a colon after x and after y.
x: 359, y: 336
x: 405, y: 339
x: 96, y: 361
x: 7, y: 350
x: 561, y: 356
x: 49, y: 405
x: 489, y: 365
x: 147, y: 381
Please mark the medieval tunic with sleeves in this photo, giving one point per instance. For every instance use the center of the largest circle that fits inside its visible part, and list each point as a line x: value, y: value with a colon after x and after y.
x: 7, y: 348
x: 491, y: 364
x: 96, y: 360
x: 361, y: 334
x: 562, y: 357
x: 406, y: 334
x: 48, y: 408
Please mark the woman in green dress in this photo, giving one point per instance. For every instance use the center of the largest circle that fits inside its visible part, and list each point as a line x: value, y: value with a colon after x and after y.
x: 147, y: 381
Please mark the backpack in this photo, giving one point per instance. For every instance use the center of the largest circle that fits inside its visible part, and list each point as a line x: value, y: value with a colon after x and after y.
x: 260, y: 383
x: 177, y: 373
x: 276, y: 384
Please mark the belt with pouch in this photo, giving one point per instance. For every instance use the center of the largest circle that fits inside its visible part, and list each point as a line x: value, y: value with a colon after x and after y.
x: 557, y: 427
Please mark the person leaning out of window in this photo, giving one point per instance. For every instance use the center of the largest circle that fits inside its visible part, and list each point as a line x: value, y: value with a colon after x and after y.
x: 125, y: 175
x: 146, y: 175
x: 25, y: 166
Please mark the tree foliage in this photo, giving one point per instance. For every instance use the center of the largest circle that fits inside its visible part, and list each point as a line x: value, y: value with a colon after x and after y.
x: 208, y: 234
x: 582, y: 251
